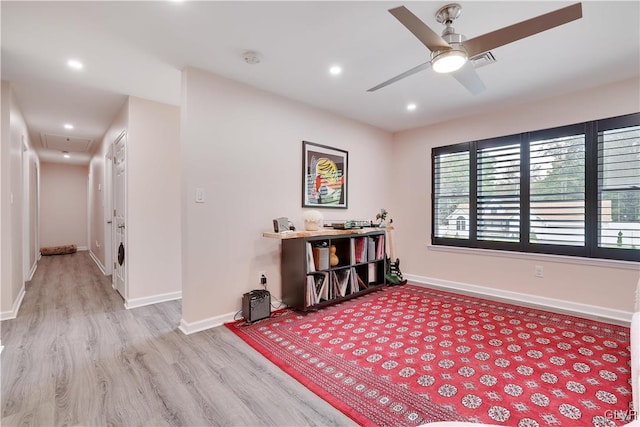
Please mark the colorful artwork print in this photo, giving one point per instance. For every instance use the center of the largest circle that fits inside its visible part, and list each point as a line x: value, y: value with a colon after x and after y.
x: 324, y: 176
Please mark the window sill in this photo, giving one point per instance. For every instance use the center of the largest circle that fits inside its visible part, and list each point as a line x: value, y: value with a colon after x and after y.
x: 629, y: 265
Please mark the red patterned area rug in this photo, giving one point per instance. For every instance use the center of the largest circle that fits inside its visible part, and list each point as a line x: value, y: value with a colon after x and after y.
x: 410, y: 355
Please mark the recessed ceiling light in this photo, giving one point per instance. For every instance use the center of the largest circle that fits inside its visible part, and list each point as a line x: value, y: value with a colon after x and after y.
x: 75, y: 64
x: 411, y: 107
x: 68, y: 126
x: 66, y: 154
x: 336, y: 70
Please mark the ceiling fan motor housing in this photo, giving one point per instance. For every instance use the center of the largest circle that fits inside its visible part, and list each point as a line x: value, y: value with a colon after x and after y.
x: 446, y: 15
x: 454, y: 39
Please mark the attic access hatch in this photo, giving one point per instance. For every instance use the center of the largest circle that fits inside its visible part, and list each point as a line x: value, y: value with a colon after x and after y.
x: 66, y: 143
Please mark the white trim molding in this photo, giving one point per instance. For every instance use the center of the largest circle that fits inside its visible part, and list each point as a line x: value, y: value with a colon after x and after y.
x: 97, y: 261
x: 533, y: 301
x: 154, y: 299
x: 8, y: 315
x: 32, y: 271
x: 82, y: 248
x: 212, y: 322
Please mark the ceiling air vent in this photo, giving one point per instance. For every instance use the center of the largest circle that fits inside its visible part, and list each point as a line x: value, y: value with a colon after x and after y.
x: 483, y: 59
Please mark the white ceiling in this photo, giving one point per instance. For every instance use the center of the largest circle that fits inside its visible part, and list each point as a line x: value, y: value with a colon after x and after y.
x: 139, y: 48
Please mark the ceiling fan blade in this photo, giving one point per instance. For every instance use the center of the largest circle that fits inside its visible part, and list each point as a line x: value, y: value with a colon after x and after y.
x: 401, y: 76
x: 468, y: 78
x: 419, y: 29
x: 512, y: 33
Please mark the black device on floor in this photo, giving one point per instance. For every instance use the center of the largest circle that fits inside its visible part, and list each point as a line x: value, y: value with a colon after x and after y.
x: 256, y: 305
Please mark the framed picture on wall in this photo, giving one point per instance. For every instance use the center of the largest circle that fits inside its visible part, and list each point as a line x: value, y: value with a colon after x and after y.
x: 325, y: 176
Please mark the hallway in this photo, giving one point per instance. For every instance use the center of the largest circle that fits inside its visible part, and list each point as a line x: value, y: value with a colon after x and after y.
x: 75, y: 356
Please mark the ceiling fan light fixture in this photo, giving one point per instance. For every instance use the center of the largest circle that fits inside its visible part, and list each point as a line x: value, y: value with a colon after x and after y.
x: 448, y: 61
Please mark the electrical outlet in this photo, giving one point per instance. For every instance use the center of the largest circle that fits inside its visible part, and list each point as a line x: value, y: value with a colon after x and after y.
x: 538, y: 271
x: 260, y: 275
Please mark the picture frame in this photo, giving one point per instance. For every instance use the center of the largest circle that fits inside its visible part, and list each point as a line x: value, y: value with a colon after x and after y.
x: 325, y: 176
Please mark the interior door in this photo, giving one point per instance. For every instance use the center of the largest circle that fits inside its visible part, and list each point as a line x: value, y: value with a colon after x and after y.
x: 119, y: 216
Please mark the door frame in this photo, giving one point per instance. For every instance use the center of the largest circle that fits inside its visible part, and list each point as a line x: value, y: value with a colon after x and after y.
x: 26, y: 211
x: 108, y: 212
x: 114, y: 195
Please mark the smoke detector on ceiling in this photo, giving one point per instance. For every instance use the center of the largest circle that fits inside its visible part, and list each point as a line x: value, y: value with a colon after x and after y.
x: 251, y: 57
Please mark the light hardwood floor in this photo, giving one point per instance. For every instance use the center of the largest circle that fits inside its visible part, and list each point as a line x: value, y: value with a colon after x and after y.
x: 74, y: 356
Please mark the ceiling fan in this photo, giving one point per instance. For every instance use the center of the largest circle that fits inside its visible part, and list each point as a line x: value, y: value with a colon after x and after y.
x: 452, y: 52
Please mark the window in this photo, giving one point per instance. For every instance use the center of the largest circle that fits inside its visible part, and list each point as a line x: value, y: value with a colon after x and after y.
x: 557, y: 190
x: 619, y: 188
x: 451, y: 191
x: 572, y: 190
x: 498, y: 208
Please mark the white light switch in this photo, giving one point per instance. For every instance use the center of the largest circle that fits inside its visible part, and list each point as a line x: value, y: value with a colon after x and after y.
x: 199, y: 195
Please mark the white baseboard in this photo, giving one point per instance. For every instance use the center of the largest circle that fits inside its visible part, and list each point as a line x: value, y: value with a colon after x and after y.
x: 82, y: 248
x: 212, y: 322
x: 154, y: 299
x: 7, y: 315
x: 551, y: 304
x: 32, y: 271
x: 97, y: 261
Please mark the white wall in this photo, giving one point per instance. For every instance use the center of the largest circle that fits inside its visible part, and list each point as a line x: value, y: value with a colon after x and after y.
x: 153, y: 200
x: 606, y: 285
x: 14, y: 134
x: 244, y: 147
x: 63, y: 204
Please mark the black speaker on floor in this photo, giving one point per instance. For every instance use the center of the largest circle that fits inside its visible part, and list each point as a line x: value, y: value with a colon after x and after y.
x: 256, y: 305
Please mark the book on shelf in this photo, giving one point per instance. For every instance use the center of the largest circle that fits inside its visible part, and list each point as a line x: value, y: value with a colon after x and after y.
x: 373, y: 276
x: 352, y: 250
x: 320, y: 257
x: 360, y: 249
x: 380, y: 248
x: 317, y: 288
x: 371, y: 248
x: 341, y: 280
x: 311, y: 265
x: 357, y: 284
